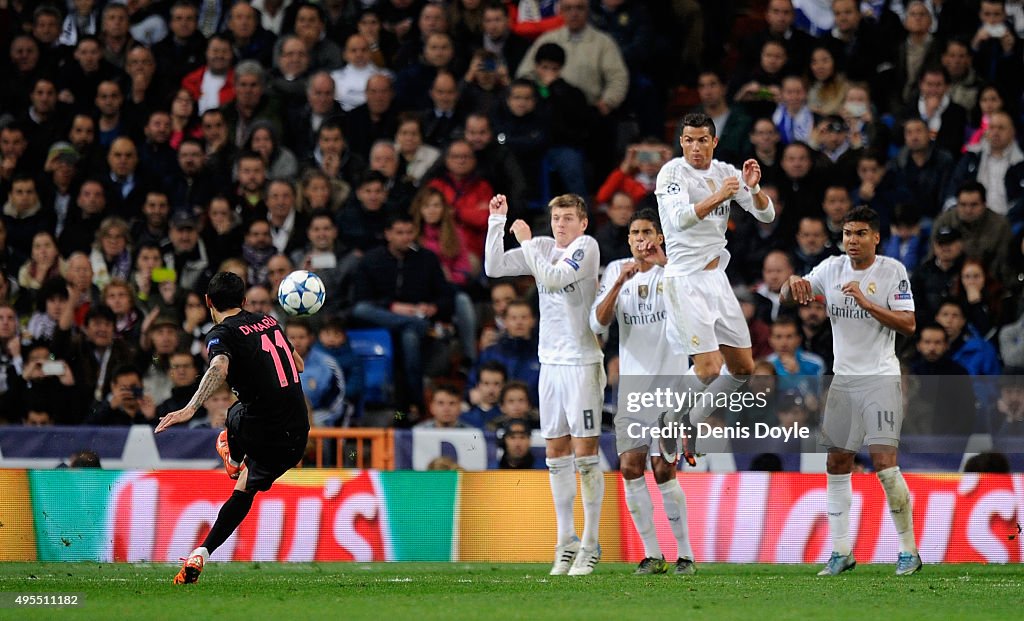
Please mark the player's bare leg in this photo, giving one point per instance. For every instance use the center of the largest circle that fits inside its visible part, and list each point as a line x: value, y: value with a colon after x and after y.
x: 562, y: 476
x: 839, y: 498
x: 898, y: 496
x: 232, y: 512
x: 588, y: 463
x: 638, y: 500
x: 674, y: 502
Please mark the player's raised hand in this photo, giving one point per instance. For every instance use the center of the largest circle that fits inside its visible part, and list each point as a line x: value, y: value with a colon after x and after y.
x: 521, y: 230
x: 800, y: 290
x: 852, y: 289
x: 729, y: 188
x: 499, y: 205
x: 628, y: 270
x: 651, y: 252
x: 751, y: 172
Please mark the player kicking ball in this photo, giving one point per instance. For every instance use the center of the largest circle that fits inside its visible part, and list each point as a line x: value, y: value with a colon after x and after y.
x: 632, y: 294
x: 267, y: 428
x: 572, y: 378
x: 694, y: 196
x: 869, y: 300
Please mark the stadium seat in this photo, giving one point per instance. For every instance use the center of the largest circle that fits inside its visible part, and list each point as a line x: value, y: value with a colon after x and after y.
x: 374, y: 346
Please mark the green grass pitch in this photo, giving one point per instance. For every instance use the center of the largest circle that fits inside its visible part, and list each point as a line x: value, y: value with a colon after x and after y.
x: 457, y: 591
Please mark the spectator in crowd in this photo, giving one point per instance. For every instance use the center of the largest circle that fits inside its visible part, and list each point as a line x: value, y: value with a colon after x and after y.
x: 966, y: 347
x: 989, y: 101
x: 184, y: 375
x: 111, y: 256
x: 613, y: 236
x: 923, y: 166
x: 216, y: 407
x: 50, y: 301
x: 760, y: 332
x: 764, y: 147
x: 776, y: 270
x: 401, y: 287
x: 947, y: 121
x: 24, y: 215
x: 917, y: 49
x: 333, y: 341
x: 318, y: 192
x: 322, y: 379
x: 779, y: 19
x: 908, y: 242
x: 495, y: 162
x: 303, y: 122
x: 11, y: 365
x: 515, y: 405
x: 981, y: 296
x: 943, y: 399
x: 484, y: 396
x: 331, y: 261
x: 384, y: 159
x: 127, y: 405
x: 187, y: 253
x: 213, y: 84
x: 812, y: 245
x: 516, y: 349
x: 816, y: 330
x: 351, y: 81
x: 797, y: 368
x: 637, y: 173
x: 732, y: 124
x: 117, y: 294
x: 515, y: 445
x: 223, y: 234
x: 416, y: 158
x: 287, y: 225
x: 996, y: 162
x: 467, y: 191
x: 792, y: 116
x: 363, y: 219
x: 182, y: 50
x: 519, y: 125
x: 932, y: 282
x: 985, y: 233
x: 44, y: 264
x: 161, y: 338
x: 444, y: 409
x: 485, y: 84
x: 497, y: 36
x: 279, y: 161
x: 374, y: 120
x: 997, y: 49
x: 290, y: 75
x: 310, y: 26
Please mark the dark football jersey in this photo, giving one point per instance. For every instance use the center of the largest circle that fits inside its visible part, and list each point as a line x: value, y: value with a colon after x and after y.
x: 262, y: 372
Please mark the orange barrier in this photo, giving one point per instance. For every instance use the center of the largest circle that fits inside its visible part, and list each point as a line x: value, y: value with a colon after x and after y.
x: 374, y: 448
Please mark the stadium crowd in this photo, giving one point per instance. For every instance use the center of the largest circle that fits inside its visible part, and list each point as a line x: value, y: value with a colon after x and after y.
x: 146, y: 145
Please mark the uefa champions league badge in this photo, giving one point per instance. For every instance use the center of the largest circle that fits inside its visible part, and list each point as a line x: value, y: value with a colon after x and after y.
x: 673, y: 188
x: 578, y: 255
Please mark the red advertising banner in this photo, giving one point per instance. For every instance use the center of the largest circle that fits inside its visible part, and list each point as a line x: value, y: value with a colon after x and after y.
x: 306, y: 516
x: 781, y: 518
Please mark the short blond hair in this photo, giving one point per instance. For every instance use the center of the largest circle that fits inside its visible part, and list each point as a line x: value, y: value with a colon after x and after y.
x: 572, y: 201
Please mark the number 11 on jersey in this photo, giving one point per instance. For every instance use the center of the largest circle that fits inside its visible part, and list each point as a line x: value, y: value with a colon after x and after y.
x: 271, y: 348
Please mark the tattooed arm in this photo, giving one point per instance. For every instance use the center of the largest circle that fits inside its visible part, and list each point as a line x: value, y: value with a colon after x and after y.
x: 214, y: 377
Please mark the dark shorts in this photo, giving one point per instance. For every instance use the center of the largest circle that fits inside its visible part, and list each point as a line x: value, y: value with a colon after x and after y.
x: 269, y: 453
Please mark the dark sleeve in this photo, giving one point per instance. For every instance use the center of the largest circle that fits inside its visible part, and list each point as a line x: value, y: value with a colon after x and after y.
x: 363, y: 284
x: 217, y: 342
x: 442, y: 291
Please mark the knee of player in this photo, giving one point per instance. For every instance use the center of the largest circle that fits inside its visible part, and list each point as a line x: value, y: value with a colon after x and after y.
x: 742, y: 368
x: 631, y: 471
x: 839, y: 463
x: 708, y: 374
x: 586, y: 463
x: 663, y: 471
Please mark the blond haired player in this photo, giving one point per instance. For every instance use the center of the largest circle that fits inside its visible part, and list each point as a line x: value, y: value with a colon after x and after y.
x: 572, y: 378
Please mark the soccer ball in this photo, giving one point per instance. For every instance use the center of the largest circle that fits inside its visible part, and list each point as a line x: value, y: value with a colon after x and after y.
x: 301, y: 293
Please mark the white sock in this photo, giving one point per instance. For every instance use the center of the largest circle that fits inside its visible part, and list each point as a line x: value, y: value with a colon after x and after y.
x: 839, y: 497
x: 638, y: 500
x: 592, y: 490
x: 201, y: 551
x: 674, y: 501
x: 898, y: 495
x: 563, y: 490
x: 705, y: 406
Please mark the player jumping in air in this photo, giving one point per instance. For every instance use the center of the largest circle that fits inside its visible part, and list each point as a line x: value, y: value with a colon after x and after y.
x: 869, y: 300
x: 632, y: 293
x: 572, y: 378
x: 267, y: 427
x: 694, y: 194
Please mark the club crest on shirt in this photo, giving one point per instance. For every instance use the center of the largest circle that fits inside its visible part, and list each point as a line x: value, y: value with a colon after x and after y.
x: 642, y: 291
x: 659, y: 288
x: 695, y: 341
x: 872, y: 288
x: 711, y: 184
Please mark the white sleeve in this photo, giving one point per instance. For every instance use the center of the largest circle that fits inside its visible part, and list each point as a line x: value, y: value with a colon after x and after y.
x: 582, y: 261
x: 899, y: 296
x: 497, y: 261
x: 818, y: 277
x: 674, y: 199
x: 745, y: 199
x: 611, y: 274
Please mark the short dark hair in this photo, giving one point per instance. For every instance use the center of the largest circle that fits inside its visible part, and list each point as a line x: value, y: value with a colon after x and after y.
x: 513, y: 385
x: 787, y: 320
x: 333, y: 323
x: 399, y: 218
x: 936, y: 68
x: 226, y: 291
x: 372, y: 176
x: 550, y: 52
x: 299, y: 322
x: 951, y: 302
x: 446, y: 388
x: 102, y: 312
x: 55, y: 288
x: 864, y: 214
x: 85, y: 459
x: 972, y: 186
x: 699, y: 119
x: 123, y: 370
x: 933, y: 326
x: 494, y: 367
x: 646, y: 214
x: 331, y: 123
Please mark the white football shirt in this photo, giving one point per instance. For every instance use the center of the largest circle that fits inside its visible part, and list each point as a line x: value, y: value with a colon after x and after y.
x: 567, y: 283
x: 642, y: 314
x: 691, y: 243
x: 862, y: 345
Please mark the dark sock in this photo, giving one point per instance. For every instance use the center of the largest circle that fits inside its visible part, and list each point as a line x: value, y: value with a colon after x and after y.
x: 230, y: 516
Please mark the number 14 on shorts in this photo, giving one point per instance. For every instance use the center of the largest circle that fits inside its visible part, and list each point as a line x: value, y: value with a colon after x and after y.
x: 889, y: 418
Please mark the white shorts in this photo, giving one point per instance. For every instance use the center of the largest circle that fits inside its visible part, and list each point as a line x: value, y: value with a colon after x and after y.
x: 704, y: 313
x: 869, y: 413
x: 571, y: 400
